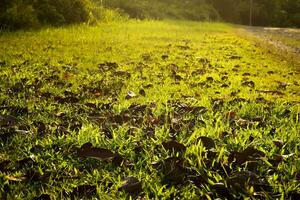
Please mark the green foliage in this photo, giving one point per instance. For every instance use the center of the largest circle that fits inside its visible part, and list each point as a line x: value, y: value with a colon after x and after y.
x: 161, y: 9
x: 18, y: 14
x: 265, y: 12
x: 15, y: 14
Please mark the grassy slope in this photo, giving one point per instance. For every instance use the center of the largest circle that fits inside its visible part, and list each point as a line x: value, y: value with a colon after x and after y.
x: 41, y: 66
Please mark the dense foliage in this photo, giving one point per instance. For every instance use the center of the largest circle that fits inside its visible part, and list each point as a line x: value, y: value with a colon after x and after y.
x: 16, y: 14
x: 265, y: 12
x: 159, y: 9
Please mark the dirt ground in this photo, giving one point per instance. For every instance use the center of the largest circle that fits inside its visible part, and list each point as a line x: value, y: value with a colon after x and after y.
x: 287, y: 39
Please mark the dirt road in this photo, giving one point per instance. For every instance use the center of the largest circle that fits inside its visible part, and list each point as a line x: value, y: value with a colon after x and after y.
x: 286, y: 39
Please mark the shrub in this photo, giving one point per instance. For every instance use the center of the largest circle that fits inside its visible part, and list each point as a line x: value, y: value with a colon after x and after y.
x: 160, y: 9
x: 19, y: 15
x: 16, y: 14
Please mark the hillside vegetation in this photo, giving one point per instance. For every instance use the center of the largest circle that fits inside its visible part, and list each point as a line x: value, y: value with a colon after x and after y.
x: 16, y: 14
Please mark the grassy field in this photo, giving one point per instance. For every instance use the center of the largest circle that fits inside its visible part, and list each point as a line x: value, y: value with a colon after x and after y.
x: 146, y: 110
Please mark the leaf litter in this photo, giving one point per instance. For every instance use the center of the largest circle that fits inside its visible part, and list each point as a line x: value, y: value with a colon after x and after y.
x: 159, y: 93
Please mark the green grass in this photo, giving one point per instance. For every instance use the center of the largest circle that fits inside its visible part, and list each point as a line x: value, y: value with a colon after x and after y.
x: 61, y: 98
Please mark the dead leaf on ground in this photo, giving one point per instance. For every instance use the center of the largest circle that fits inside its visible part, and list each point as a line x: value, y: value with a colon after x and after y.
x: 174, y: 146
x: 32, y: 175
x: 107, y: 66
x: 84, y: 191
x: 248, y: 84
x: 222, y: 190
x: 87, y: 150
x: 173, y: 169
x: 124, y: 74
x: 278, y: 143
x: 26, y: 161
x: 131, y: 185
x: 241, y: 179
x: 207, y: 142
x: 7, y: 120
x: 277, y: 92
x: 4, y: 165
x: 249, y: 154
x: 42, y: 197
x: 283, y: 85
x: 142, y: 92
x: 6, y: 134
x: 230, y: 115
x: 294, y: 195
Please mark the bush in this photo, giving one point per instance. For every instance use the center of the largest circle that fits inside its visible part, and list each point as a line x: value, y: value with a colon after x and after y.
x: 19, y: 16
x: 16, y: 14
x: 160, y: 9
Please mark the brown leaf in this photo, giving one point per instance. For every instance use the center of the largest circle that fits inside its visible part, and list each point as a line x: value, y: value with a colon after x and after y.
x: 234, y: 57
x: 278, y: 143
x: 106, y: 66
x: 32, y: 175
x: 4, y: 165
x: 237, y: 158
x: 251, y: 151
x: 271, y: 92
x: 207, y: 142
x: 87, y: 150
x: 297, y: 175
x: 294, y: 195
x: 246, y: 74
x: 248, y: 84
x: 174, y: 146
x: 240, y: 179
x: 26, y: 161
x: 120, y: 73
x: 210, y: 79
x: 165, y: 56
x: 174, y: 170
x: 142, y: 92
x: 222, y: 190
x: 282, y: 84
x: 224, y: 85
x: 131, y: 185
x: 69, y: 99
x: 118, y: 160
x: 197, y: 179
x: 42, y: 197
x: 230, y: 115
x: 7, y: 120
x: 84, y: 191
x: 137, y: 108
x: 249, y: 154
x: 6, y: 134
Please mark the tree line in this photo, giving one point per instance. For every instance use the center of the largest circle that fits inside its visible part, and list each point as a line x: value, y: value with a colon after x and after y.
x: 16, y: 14
x: 285, y: 13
